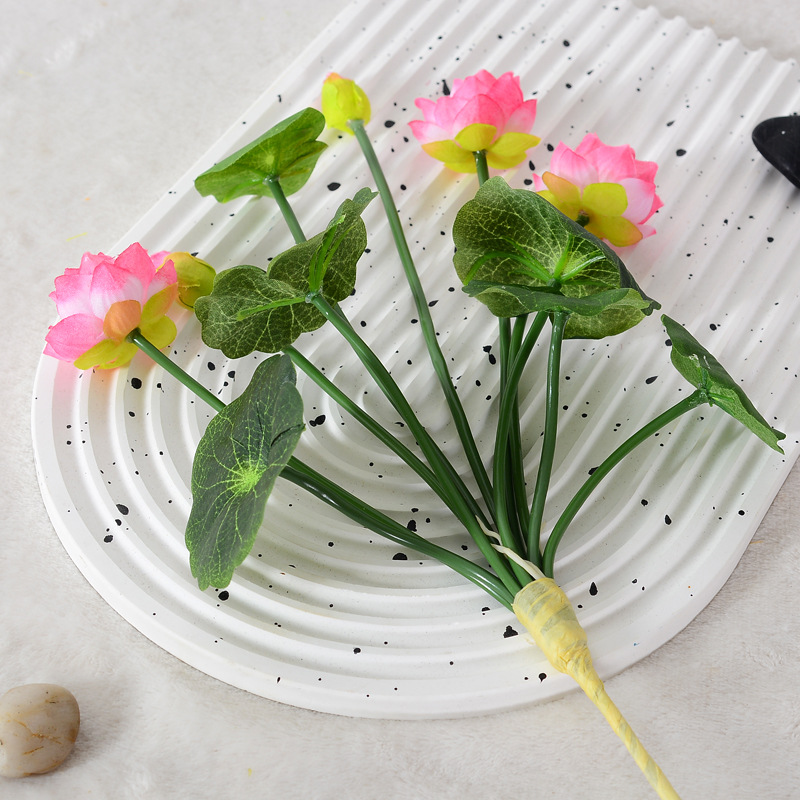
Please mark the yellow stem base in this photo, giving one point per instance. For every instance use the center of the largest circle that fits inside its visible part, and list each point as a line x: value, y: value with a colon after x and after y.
x: 545, y: 611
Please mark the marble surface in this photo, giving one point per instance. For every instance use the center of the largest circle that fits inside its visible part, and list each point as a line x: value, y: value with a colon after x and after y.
x: 104, y: 105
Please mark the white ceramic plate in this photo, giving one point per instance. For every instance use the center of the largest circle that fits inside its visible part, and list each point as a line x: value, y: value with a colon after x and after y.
x: 326, y: 616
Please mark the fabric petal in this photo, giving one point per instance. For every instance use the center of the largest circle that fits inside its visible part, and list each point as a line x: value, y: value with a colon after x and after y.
x: 158, y: 305
x: 427, y: 131
x: 121, y: 319
x: 475, y: 137
x: 641, y: 198
x: 605, y: 199
x: 617, y: 230
x: 446, y: 151
x: 522, y: 118
x: 71, y: 293
x: 74, y: 335
x: 571, y: 165
x: 514, y: 143
x: 506, y: 93
x: 107, y: 355
x: 481, y: 109
x: 613, y: 163
x: 160, y: 332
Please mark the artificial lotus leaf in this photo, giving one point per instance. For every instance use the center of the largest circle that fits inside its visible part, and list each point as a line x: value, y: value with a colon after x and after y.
x: 515, y: 238
x: 704, y: 372
x: 549, y: 300
x: 288, y: 152
x: 240, y: 455
x: 250, y: 309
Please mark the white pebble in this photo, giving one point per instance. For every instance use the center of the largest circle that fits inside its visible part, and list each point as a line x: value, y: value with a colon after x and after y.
x: 38, y: 725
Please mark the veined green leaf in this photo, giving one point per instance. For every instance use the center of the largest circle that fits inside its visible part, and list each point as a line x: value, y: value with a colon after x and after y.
x: 253, y: 310
x: 287, y: 152
x: 240, y: 455
x: 704, y: 372
x: 515, y: 238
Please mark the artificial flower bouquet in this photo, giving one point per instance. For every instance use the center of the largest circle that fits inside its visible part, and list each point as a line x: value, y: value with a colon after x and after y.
x: 546, y: 261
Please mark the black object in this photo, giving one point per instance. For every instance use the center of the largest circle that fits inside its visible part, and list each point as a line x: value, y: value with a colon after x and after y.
x: 778, y: 140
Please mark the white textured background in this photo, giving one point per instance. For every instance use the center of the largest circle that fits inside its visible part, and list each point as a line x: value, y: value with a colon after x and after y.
x: 103, y: 105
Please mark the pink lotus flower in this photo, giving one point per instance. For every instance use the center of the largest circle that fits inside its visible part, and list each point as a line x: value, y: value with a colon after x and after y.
x: 104, y: 300
x: 605, y: 188
x: 482, y: 113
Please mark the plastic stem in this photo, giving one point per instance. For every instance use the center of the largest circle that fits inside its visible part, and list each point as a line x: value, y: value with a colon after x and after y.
x: 582, y: 495
x: 283, y: 204
x: 426, y: 322
x: 559, y: 321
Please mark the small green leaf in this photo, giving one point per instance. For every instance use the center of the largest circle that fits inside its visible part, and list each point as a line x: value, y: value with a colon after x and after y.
x: 288, y: 152
x: 515, y: 238
x: 250, y: 309
x: 240, y: 455
x: 704, y: 372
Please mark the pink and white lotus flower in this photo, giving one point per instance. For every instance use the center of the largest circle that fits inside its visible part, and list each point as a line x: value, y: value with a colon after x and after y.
x: 101, y: 302
x: 482, y: 113
x: 605, y: 188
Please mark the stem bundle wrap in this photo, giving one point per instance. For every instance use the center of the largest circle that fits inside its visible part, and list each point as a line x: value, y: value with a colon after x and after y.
x: 546, y: 612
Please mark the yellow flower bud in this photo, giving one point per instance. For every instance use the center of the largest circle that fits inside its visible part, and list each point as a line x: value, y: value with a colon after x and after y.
x: 195, y: 277
x: 343, y: 100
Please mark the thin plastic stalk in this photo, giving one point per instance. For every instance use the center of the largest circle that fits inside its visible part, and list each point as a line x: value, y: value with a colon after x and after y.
x: 462, y: 503
x: 515, y: 460
x: 550, y: 430
x: 361, y: 513
x: 283, y: 204
x: 504, y: 421
x: 505, y: 504
x: 582, y: 495
x: 173, y: 369
x: 426, y: 322
x: 481, y: 167
x: 368, y: 422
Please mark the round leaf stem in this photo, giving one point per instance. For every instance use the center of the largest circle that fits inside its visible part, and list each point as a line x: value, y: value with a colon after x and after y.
x: 283, y: 204
x: 695, y: 399
x: 426, y: 322
x: 559, y: 321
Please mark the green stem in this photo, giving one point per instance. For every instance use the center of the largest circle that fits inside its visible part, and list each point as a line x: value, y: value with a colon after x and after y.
x: 363, y: 514
x: 283, y: 204
x: 645, y: 432
x: 368, y: 422
x: 504, y: 422
x: 481, y: 166
x: 550, y: 430
x: 147, y: 347
x: 516, y: 463
x: 426, y: 322
x: 460, y: 500
x: 506, y: 517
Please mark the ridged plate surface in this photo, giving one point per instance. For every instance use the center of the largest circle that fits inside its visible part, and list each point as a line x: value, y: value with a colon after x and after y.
x: 326, y: 616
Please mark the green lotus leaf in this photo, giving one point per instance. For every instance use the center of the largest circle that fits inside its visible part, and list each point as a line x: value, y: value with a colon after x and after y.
x: 241, y: 453
x: 287, y: 153
x: 704, y: 372
x: 515, y: 238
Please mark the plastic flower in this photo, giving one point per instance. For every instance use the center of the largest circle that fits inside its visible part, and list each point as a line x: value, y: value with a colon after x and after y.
x: 605, y: 188
x: 343, y: 100
x: 482, y: 113
x: 195, y: 277
x: 106, y: 298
